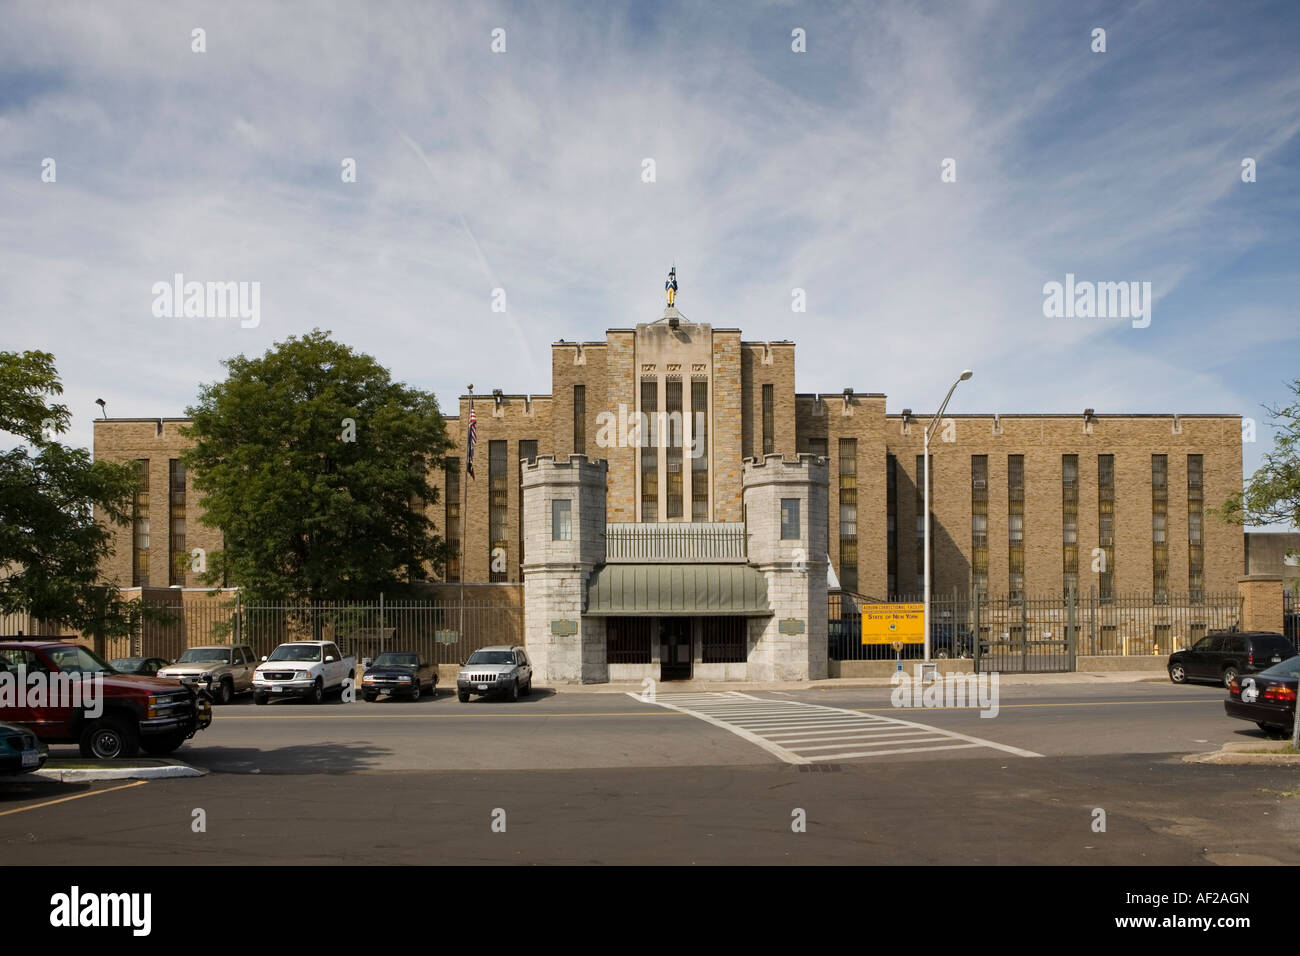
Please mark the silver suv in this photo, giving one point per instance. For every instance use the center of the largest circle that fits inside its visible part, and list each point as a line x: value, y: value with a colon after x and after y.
x: 496, y: 670
x: 224, y: 670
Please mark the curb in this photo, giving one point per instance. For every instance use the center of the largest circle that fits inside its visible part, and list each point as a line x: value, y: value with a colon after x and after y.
x: 88, y: 774
x: 1256, y: 753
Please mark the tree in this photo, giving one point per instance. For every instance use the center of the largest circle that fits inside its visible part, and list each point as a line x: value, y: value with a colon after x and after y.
x: 50, y: 543
x: 314, y: 465
x: 1272, y: 495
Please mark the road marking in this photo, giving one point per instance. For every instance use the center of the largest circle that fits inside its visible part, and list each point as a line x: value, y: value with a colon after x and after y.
x: 225, y: 717
x: 799, y: 733
x: 75, y: 796
x: 1075, y: 703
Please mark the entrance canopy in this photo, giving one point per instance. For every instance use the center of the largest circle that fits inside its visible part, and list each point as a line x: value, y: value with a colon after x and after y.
x: 623, y: 590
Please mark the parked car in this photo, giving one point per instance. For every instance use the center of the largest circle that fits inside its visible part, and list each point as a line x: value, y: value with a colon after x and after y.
x: 1223, y: 656
x: 496, y: 670
x: 20, y: 751
x: 148, y: 666
x: 135, y: 711
x: 225, y: 670
x: 1267, y: 698
x: 944, y: 645
x: 305, y: 669
x: 399, y: 674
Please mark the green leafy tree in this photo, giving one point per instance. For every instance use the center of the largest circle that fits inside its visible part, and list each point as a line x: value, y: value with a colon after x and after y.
x: 1272, y: 494
x: 51, y: 545
x: 314, y: 465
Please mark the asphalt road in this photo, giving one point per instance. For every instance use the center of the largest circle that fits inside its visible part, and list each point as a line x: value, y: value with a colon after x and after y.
x: 605, y: 778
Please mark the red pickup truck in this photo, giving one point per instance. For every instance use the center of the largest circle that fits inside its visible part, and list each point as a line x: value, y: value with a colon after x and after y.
x: 67, y: 694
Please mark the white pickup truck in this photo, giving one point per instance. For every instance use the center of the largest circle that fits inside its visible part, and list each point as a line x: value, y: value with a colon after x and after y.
x: 306, y: 669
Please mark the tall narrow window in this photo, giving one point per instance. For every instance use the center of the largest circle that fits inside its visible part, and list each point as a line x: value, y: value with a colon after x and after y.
x: 452, y: 503
x: 849, y: 514
x: 1106, y: 526
x: 561, y: 519
x: 140, y: 527
x: 769, y: 419
x: 580, y: 419
x: 528, y: 454
x: 498, y: 509
x: 650, y: 450
x: 789, y: 519
x: 920, y: 522
x: 176, y: 517
x: 1159, y: 528
x: 1070, y: 522
x: 673, y: 440
x: 979, y: 522
x: 700, y: 450
x: 1016, y: 527
x: 891, y: 523
x: 1195, y: 527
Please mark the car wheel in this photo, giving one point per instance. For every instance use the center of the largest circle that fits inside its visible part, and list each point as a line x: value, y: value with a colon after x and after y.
x: 109, y: 739
x: 528, y: 688
x: 316, y: 695
x: 162, y: 746
x: 415, y: 690
x: 1270, y: 729
x: 370, y: 696
x: 462, y: 696
x: 259, y: 699
x: 514, y: 690
x: 1230, y: 674
x: 1177, y: 673
x: 225, y: 694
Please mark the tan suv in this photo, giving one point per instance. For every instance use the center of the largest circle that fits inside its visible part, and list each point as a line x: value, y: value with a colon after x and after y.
x: 224, y: 670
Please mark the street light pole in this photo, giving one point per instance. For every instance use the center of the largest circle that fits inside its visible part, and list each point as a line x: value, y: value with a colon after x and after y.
x: 929, y: 431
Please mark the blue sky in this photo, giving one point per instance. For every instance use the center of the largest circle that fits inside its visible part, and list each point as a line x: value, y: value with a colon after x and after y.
x: 774, y: 170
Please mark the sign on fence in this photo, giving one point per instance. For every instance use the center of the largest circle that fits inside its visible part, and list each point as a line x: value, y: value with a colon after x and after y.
x: 887, y: 623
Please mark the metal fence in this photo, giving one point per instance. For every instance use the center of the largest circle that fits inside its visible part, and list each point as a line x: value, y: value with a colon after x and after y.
x: 1044, y: 633
x: 440, y: 632
x: 1291, y: 616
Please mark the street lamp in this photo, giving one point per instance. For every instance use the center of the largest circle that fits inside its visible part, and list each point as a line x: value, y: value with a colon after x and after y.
x: 929, y: 430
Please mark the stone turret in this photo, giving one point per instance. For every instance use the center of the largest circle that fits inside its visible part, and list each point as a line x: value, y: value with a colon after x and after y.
x: 786, y: 506
x: 564, y: 541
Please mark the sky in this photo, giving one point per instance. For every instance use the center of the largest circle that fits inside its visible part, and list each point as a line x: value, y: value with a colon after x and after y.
x: 774, y: 170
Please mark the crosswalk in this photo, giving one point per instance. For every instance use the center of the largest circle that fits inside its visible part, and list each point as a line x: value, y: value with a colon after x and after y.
x: 800, y: 733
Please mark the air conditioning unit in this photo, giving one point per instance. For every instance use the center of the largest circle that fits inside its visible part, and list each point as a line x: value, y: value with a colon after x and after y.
x: 979, y: 483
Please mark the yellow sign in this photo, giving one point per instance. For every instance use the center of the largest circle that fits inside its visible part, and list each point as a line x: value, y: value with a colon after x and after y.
x: 887, y: 623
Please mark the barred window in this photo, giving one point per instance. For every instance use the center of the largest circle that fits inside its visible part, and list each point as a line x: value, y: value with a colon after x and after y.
x: 452, y: 517
x: 498, y: 508
x: 650, y: 450
x: 1070, y: 522
x: 580, y: 419
x: 1195, y: 527
x: 140, y: 526
x: 700, y: 450
x: 673, y: 446
x: 1159, y: 527
x: 723, y: 640
x: 979, y: 522
x: 769, y: 419
x: 176, y: 518
x: 849, y: 514
x: 627, y: 640
x: 1106, y: 526
x: 1016, y: 526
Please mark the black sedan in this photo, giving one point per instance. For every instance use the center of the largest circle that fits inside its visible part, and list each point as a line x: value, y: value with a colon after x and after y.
x: 20, y: 751
x: 399, y: 674
x: 148, y: 666
x: 1267, y: 698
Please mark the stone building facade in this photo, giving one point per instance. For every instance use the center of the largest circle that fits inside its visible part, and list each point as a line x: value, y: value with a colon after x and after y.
x: 684, y: 428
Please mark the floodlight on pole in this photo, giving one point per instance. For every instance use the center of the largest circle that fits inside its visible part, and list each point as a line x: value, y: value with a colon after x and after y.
x: 929, y: 431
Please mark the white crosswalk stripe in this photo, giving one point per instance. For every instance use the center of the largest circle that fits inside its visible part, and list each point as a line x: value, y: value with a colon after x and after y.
x: 801, y: 733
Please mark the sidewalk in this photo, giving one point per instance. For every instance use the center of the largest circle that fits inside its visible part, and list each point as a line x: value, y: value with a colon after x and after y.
x: 848, y: 683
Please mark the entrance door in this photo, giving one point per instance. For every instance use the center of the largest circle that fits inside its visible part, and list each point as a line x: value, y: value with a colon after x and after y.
x: 675, y: 648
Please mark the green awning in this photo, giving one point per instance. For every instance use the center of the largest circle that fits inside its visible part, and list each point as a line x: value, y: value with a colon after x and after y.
x: 677, y: 589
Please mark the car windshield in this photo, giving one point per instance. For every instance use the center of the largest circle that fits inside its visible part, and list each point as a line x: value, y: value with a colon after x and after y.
x: 397, y: 660
x: 126, y: 664
x: 205, y: 655
x: 296, y: 652
x: 1290, y: 668
x: 75, y: 659
x: 492, y: 657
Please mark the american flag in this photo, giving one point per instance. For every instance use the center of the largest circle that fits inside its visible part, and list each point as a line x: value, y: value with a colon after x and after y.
x: 471, y: 439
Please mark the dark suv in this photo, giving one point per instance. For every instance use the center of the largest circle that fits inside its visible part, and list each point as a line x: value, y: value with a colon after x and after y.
x: 1224, y: 656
